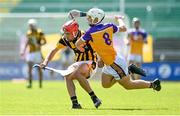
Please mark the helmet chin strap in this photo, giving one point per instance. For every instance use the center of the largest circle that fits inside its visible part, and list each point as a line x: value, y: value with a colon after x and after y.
x: 91, y: 25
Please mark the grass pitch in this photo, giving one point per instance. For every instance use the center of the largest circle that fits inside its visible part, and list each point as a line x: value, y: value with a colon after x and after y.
x: 53, y: 99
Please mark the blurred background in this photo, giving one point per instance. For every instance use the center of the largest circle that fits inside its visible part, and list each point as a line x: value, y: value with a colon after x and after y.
x: 160, y: 18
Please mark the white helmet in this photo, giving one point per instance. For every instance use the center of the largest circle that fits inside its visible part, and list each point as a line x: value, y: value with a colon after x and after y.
x: 135, y: 19
x: 96, y: 14
x: 32, y: 22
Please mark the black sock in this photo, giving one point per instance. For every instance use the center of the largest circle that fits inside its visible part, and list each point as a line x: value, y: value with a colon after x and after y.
x: 40, y: 83
x: 93, y: 96
x: 74, y: 100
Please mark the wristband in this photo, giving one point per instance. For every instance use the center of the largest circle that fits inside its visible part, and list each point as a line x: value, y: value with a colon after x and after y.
x: 82, y: 14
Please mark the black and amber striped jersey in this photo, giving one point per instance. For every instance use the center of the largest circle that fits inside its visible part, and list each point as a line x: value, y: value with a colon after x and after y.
x: 88, y: 54
x: 34, y: 39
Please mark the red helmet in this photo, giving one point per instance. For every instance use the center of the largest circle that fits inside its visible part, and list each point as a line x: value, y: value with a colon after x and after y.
x: 71, y: 27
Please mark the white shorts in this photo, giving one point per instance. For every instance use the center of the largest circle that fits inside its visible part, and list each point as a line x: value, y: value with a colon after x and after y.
x: 76, y: 65
x: 34, y: 57
x: 119, y: 61
x: 135, y: 58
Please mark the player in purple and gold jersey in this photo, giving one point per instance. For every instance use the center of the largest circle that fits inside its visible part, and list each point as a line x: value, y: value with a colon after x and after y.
x: 137, y: 37
x: 100, y: 37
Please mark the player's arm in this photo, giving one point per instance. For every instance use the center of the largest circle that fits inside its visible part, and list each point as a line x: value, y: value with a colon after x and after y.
x: 51, y: 55
x: 80, y: 44
x: 25, y: 47
x: 145, y: 41
x: 127, y: 41
x: 100, y: 63
x: 43, y: 39
x: 121, y: 24
x: 145, y: 37
x: 75, y: 14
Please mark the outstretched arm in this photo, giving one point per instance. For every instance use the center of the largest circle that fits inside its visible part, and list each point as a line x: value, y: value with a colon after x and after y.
x: 122, y: 27
x: 49, y: 57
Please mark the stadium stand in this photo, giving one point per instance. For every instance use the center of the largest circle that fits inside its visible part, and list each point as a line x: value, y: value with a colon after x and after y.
x: 160, y: 18
x: 156, y: 15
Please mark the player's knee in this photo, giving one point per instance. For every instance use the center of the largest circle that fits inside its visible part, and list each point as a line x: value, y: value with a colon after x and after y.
x: 84, y: 67
x: 78, y: 74
x: 105, y: 85
x: 83, y: 70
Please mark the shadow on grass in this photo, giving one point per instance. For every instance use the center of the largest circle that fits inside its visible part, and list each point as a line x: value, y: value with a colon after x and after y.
x: 126, y: 109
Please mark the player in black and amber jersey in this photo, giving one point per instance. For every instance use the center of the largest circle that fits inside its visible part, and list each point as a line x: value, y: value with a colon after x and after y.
x: 82, y: 69
x: 88, y: 54
x: 35, y: 39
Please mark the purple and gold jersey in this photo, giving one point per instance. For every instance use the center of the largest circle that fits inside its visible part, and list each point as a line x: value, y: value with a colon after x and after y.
x: 137, y: 38
x: 100, y: 37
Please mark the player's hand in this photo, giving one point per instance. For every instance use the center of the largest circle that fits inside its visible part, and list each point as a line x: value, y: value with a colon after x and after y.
x: 22, y: 54
x: 73, y: 14
x: 82, y: 47
x: 100, y: 63
x: 118, y: 17
x: 43, y: 65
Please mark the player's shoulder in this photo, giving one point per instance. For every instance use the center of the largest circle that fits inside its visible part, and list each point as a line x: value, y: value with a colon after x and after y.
x: 108, y: 24
x: 61, y: 38
x: 95, y: 28
x: 82, y: 32
x: 29, y: 32
x: 39, y: 30
x: 89, y: 30
x: 142, y: 30
x: 131, y: 30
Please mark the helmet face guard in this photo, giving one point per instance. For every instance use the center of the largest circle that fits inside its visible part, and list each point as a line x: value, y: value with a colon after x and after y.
x: 70, y: 29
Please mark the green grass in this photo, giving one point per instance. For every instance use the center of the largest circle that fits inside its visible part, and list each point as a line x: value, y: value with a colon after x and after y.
x: 54, y: 99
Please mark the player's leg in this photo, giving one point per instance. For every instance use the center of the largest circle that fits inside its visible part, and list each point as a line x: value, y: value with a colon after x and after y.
x: 120, y: 72
x: 136, y: 77
x: 81, y: 75
x: 137, y: 62
x: 133, y: 69
x: 129, y: 84
x: 71, y: 90
x: 37, y: 57
x: 132, y: 74
x: 126, y: 82
x: 107, y: 81
x: 40, y: 75
x: 30, y: 65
